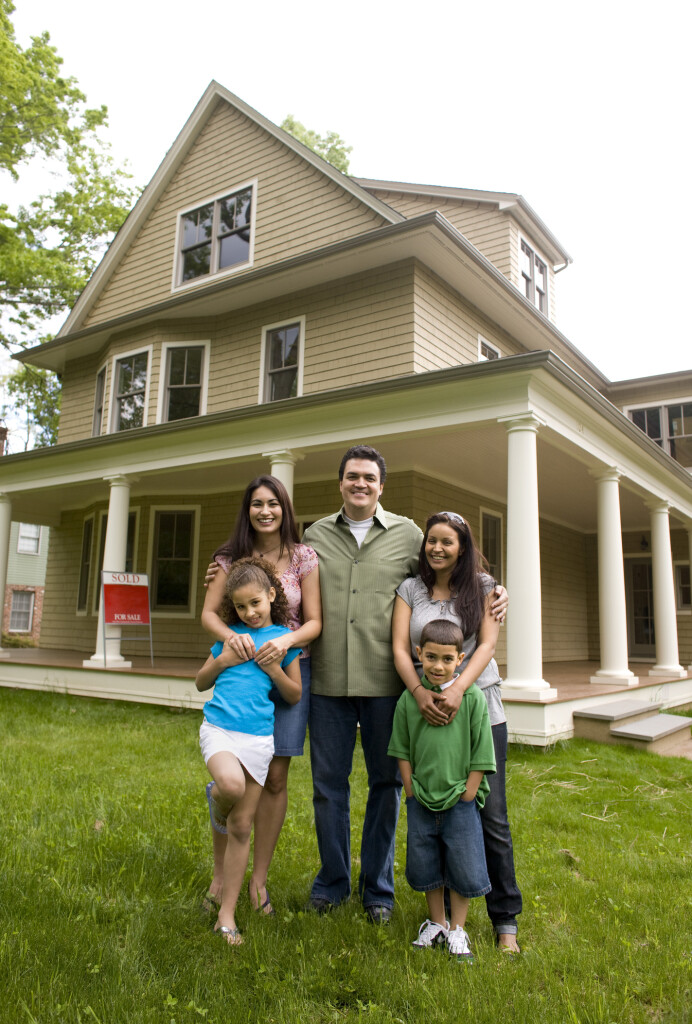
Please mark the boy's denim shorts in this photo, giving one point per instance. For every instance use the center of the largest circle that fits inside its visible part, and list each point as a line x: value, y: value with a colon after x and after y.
x: 445, y: 848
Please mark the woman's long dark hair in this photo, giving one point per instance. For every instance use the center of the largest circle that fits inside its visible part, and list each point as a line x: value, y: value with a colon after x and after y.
x: 465, y: 583
x: 241, y: 541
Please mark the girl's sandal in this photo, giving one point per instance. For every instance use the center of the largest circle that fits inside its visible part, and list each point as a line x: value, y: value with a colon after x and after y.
x: 211, y: 902
x: 265, y: 908
x: 231, y: 935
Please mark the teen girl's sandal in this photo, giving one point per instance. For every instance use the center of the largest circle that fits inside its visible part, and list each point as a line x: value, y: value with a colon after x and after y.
x: 218, y: 822
x: 231, y: 935
x: 265, y: 908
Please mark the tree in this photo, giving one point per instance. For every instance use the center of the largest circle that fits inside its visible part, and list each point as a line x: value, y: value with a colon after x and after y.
x: 35, y: 407
x: 49, y: 248
x: 330, y: 146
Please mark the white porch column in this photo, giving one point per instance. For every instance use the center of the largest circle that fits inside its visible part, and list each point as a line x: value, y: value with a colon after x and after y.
x: 282, y: 465
x: 612, y: 610
x: 665, y: 620
x: 5, y: 525
x: 689, y: 541
x: 114, y: 555
x: 524, y: 632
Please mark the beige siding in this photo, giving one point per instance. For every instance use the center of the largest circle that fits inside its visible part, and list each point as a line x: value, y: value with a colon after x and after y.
x: 485, y: 226
x: 447, y: 328
x: 565, y: 612
x: 356, y: 330
x: 297, y: 209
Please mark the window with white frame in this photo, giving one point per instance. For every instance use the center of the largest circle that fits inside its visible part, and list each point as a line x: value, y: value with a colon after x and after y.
x: 534, y: 275
x: 99, y: 399
x: 172, y: 560
x: 21, y: 611
x: 216, y: 235
x: 683, y: 589
x: 85, y: 564
x: 130, y: 381
x: 670, y: 426
x: 184, y: 379
x: 486, y: 350
x: 282, y: 361
x: 28, y: 539
x: 491, y: 542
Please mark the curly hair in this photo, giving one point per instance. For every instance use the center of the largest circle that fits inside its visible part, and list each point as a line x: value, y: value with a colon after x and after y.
x: 254, y: 570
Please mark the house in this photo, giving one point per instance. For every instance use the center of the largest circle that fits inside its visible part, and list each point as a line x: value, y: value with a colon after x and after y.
x: 260, y: 311
x: 26, y: 576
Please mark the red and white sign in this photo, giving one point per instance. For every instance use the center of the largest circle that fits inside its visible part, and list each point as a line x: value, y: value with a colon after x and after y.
x: 126, y: 599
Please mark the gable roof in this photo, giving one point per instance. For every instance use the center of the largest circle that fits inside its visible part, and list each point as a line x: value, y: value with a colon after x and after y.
x: 174, y: 157
x: 510, y: 201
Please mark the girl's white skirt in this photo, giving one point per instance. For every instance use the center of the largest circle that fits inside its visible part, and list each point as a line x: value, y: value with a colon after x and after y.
x: 253, y: 752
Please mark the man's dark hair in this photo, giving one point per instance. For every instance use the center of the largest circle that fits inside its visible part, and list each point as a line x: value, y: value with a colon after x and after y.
x: 442, y: 631
x: 364, y: 451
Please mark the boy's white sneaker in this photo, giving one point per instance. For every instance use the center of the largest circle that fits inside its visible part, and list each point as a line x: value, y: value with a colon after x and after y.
x: 431, y: 934
x: 458, y: 945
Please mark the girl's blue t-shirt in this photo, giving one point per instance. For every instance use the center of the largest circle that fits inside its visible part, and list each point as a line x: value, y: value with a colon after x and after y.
x: 241, y: 700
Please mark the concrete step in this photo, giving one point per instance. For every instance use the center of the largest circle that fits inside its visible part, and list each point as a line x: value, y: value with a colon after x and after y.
x: 596, y: 722
x: 659, y: 733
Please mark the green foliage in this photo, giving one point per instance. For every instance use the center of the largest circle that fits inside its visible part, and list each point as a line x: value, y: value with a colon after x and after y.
x: 49, y: 247
x: 40, y: 111
x: 330, y: 146
x: 106, y: 854
x: 34, y: 406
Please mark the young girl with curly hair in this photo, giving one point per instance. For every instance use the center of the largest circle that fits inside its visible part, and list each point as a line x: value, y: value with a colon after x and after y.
x: 237, y: 734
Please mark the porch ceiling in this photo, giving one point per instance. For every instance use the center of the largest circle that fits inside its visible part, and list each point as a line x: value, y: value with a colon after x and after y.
x: 473, y: 458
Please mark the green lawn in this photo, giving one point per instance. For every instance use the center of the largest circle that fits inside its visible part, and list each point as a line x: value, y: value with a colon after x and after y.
x: 105, y: 852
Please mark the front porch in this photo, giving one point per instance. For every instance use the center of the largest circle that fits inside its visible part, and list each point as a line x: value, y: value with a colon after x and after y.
x: 171, y: 682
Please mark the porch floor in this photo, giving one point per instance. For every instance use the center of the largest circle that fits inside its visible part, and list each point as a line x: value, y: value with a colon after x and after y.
x: 171, y: 681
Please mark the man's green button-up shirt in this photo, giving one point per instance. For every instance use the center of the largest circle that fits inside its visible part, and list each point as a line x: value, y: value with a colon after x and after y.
x: 353, y: 655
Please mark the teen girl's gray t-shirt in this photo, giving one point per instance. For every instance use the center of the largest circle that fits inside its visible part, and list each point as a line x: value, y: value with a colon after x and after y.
x: 423, y: 610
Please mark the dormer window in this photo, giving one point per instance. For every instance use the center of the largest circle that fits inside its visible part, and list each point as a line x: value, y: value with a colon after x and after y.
x: 534, y: 276
x: 216, y: 236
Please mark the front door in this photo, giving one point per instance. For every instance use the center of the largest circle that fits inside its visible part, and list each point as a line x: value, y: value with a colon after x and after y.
x: 641, y: 639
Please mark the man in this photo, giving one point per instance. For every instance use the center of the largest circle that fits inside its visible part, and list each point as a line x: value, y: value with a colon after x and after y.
x: 364, y: 555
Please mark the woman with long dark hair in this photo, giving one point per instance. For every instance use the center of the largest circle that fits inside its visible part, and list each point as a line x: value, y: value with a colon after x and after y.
x: 452, y: 584
x: 266, y: 528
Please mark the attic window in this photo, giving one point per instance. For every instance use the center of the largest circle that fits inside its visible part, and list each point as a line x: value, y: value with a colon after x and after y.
x: 534, y: 276
x: 216, y: 236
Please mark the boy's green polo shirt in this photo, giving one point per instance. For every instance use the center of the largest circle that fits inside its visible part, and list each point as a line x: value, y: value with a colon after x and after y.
x: 441, y: 756
x: 353, y: 655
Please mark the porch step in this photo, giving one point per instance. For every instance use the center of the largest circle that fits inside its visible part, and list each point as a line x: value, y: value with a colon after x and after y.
x: 596, y: 722
x: 660, y: 733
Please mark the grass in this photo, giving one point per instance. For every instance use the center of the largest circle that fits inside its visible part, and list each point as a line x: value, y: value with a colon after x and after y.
x: 105, y: 852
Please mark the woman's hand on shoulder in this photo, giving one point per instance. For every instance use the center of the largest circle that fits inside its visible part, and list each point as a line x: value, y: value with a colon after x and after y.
x: 428, y: 707
x: 273, y: 652
x: 499, y: 602
x: 211, y: 572
x: 242, y: 645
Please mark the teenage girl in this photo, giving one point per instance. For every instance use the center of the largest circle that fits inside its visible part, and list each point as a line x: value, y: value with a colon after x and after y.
x: 236, y: 736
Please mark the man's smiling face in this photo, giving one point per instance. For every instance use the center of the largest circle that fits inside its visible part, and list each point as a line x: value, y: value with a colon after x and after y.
x: 360, y: 488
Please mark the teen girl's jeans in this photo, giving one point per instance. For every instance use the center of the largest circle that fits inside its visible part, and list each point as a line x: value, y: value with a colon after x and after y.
x: 503, y: 902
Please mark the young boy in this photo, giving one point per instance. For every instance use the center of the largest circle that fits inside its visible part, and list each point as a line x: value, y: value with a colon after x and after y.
x: 443, y: 770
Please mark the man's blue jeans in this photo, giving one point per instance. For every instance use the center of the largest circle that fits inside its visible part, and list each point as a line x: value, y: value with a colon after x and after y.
x: 333, y: 730
x: 503, y: 902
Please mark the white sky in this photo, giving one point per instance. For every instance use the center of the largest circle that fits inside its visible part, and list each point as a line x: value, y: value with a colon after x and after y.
x: 583, y: 108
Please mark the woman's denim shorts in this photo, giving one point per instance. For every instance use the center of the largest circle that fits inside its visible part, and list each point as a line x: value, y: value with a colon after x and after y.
x: 291, y: 720
x: 445, y: 848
